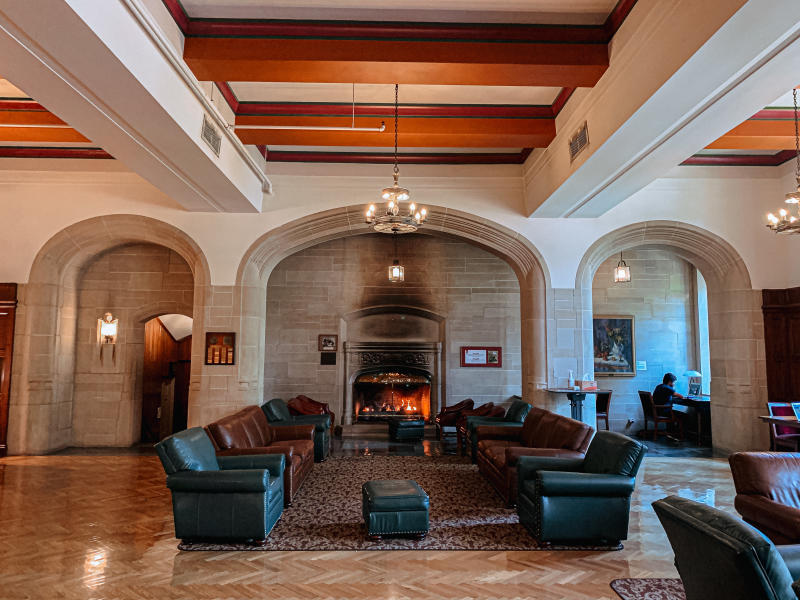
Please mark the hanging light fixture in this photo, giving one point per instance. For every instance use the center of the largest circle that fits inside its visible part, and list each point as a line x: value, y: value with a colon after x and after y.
x: 784, y: 222
x: 622, y: 272
x: 397, y: 273
x: 393, y: 220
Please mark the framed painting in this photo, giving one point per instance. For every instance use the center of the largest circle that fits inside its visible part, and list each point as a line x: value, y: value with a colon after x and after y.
x: 614, y: 346
x: 328, y: 342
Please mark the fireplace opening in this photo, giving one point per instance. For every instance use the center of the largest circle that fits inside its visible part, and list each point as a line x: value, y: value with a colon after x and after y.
x: 391, y: 394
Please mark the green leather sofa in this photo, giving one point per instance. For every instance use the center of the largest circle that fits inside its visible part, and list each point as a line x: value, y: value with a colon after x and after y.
x: 514, y: 417
x: 278, y: 415
x: 580, y: 499
x: 226, y: 498
x: 720, y: 556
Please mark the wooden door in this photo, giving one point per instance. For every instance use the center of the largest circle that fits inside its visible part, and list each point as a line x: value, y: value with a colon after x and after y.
x: 782, y: 343
x: 8, y: 304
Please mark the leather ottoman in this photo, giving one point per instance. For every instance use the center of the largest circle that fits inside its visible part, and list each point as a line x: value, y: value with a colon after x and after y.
x: 400, y: 430
x: 394, y: 507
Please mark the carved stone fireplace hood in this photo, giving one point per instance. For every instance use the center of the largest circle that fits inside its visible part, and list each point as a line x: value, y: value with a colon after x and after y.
x: 361, y: 357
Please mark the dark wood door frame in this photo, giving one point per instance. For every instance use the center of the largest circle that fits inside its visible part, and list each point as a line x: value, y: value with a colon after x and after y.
x: 8, y: 309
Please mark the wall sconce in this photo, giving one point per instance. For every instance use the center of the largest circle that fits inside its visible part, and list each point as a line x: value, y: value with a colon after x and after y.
x: 107, y: 328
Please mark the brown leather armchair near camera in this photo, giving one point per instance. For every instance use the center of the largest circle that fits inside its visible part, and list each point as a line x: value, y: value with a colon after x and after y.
x: 768, y: 493
x: 449, y: 415
x: 249, y: 432
x: 543, y: 433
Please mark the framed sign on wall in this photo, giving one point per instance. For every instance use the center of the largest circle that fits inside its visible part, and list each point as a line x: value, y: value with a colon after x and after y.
x: 481, y: 356
x: 614, y: 346
x: 220, y: 348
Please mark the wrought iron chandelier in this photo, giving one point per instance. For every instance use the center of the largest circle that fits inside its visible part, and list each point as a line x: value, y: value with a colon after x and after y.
x: 393, y: 220
x: 784, y: 222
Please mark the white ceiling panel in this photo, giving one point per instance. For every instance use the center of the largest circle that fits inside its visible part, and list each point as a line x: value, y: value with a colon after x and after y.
x: 384, y: 93
x: 577, y: 12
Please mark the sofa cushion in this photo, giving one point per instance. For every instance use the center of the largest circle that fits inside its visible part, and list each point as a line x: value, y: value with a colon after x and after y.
x: 188, y: 450
x: 775, y: 475
x: 276, y: 410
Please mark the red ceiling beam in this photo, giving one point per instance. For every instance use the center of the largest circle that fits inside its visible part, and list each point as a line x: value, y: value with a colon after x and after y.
x: 433, y: 158
x: 739, y: 160
x: 52, y: 152
x: 386, y: 111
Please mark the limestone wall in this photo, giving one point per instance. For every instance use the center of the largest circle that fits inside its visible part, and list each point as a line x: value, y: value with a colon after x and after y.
x: 315, y: 291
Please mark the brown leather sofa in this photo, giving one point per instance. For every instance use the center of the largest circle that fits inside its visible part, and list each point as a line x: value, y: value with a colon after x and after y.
x: 484, y: 410
x: 303, y: 405
x: 543, y: 433
x: 768, y: 493
x: 249, y: 432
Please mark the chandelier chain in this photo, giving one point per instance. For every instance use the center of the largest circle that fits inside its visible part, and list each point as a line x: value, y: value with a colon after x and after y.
x: 796, y: 135
x: 397, y: 169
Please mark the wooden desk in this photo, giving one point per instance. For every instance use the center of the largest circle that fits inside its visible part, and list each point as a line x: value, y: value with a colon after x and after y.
x: 702, y: 407
x: 576, y: 398
x: 781, y: 420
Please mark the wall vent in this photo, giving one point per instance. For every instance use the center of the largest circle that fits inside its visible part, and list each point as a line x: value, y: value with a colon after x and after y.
x: 211, y: 136
x: 579, y: 141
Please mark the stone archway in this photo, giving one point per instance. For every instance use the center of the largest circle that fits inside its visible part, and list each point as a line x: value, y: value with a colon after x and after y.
x: 270, y: 249
x: 738, y: 373
x: 44, y: 353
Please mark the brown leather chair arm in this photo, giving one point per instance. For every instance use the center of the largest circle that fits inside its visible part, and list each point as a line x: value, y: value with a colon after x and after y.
x: 779, y: 517
x: 490, y: 432
x: 514, y: 452
x: 285, y: 450
x: 293, y: 432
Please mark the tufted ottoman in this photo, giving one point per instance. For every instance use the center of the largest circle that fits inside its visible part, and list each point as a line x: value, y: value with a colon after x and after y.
x: 394, y: 507
x: 400, y: 430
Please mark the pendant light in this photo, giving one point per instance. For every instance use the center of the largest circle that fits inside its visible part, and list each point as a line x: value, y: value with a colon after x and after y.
x: 785, y: 223
x: 396, y: 271
x: 622, y: 272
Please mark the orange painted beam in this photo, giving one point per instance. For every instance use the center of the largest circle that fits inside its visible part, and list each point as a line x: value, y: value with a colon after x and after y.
x: 757, y: 134
x: 404, y: 62
x: 427, y: 132
x: 33, y: 127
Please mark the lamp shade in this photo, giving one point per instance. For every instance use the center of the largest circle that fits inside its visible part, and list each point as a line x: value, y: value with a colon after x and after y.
x: 692, y: 374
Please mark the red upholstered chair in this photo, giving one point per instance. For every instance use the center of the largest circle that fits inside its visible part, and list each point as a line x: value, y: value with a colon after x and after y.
x: 782, y: 437
x: 303, y: 405
x: 449, y: 415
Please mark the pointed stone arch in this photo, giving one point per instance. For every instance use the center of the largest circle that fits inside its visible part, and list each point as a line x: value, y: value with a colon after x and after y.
x: 738, y: 370
x: 44, y: 350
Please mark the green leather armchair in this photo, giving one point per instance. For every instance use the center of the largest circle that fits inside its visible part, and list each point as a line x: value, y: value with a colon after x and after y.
x: 226, y: 498
x: 514, y: 417
x: 278, y: 415
x: 720, y: 556
x: 580, y: 499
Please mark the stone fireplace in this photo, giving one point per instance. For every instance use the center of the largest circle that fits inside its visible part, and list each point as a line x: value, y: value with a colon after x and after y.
x: 391, y: 380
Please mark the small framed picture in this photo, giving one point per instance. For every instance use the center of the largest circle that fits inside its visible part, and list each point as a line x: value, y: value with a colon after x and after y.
x: 328, y: 342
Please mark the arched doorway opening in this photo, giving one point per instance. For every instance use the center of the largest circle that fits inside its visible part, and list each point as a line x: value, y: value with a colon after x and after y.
x: 738, y: 374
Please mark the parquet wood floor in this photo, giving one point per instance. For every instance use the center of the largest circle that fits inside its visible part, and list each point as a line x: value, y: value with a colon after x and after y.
x: 100, y: 526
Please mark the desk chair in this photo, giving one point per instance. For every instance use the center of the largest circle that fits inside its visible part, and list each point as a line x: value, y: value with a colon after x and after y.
x: 603, y: 407
x: 659, y: 414
x: 782, y: 437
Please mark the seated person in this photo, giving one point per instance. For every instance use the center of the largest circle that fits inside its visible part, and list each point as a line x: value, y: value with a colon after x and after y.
x: 665, y: 391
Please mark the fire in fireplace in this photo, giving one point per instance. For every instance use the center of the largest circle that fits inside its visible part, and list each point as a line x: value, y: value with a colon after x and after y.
x: 392, y: 394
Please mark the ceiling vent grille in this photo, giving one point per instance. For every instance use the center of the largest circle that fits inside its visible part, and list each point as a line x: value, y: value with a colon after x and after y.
x: 579, y: 141
x: 211, y: 136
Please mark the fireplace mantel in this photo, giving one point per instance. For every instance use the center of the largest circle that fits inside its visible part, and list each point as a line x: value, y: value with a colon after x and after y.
x: 366, y: 356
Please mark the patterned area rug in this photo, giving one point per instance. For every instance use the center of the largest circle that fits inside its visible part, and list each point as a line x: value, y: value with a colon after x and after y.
x: 649, y: 589
x: 466, y: 513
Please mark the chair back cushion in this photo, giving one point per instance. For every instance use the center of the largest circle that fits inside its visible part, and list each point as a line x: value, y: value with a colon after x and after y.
x: 775, y: 475
x: 247, y: 428
x: 276, y: 410
x: 545, y: 429
x: 781, y: 409
x: 646, y: 398
x: 612, y: 453
x: 303, y: 405
x: 517, y: 412
x: 187, y: 450
x: 720, y: 556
